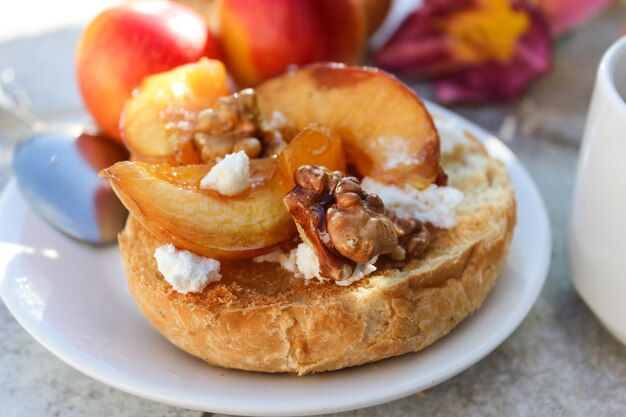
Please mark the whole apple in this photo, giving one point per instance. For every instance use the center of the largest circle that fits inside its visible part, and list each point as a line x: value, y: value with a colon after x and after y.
x: 261, y: 38
x: 124, y: 44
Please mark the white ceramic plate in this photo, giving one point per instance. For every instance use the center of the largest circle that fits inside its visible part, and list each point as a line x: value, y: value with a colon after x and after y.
x: 73, y: 300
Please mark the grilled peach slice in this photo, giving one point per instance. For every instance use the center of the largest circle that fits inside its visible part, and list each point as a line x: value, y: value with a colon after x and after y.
x: 314, y: 145
x: 157, y: 122
x: 384, y: 127
x: 168, y: 202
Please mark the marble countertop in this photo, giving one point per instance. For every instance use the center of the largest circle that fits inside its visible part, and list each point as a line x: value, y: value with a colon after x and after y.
x: 559, y: 362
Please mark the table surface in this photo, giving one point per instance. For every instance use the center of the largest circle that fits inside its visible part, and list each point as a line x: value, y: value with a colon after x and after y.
x: 560, y: 361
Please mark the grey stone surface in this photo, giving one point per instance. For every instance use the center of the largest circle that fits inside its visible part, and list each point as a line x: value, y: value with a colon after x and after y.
x: 559, y: 362
x: 34, y: 383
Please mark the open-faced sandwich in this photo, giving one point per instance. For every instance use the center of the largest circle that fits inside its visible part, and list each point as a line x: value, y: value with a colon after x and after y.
x: 313, y: 223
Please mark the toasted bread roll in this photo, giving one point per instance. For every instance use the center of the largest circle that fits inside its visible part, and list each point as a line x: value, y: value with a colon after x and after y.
x: 260, y: 317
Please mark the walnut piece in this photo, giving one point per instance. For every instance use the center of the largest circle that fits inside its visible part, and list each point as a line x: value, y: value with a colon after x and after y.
x: 232, y: 125
x: 413, y: 236
x: 344, y: 224
x: 307, y: 203
x: 356, y: 223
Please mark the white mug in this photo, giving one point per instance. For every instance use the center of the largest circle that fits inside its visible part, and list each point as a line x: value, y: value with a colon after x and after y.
x: 597, y: 226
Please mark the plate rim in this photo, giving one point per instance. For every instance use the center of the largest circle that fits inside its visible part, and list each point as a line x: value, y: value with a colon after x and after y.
x: 494, y: 146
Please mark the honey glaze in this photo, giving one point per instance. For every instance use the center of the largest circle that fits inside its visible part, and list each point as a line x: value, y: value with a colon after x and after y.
x: 189, y: 176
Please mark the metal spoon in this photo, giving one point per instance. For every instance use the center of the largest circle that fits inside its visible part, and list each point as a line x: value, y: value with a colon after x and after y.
x: 56, y: 166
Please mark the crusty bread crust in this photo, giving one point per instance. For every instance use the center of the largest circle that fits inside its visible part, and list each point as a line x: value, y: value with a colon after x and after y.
x: 259, y: 317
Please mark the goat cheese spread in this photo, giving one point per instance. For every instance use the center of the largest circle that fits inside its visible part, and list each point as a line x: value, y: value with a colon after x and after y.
x: 303, y: 262
x: 185, y: 271
x: 287, y: 260
x: 434, y: 205
x: 230, y: 176
x: 451, y: 136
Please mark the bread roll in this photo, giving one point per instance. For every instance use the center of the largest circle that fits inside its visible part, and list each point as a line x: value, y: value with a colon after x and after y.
x: 260, y: 317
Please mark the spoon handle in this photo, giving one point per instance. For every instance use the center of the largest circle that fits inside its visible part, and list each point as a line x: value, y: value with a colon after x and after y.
x: 14, y: 100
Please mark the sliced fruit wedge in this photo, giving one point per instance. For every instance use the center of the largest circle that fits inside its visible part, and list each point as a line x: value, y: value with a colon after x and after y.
x: 384, y: 127
x: 168, y: 201
x: 314, y: 145
x: 157, y: 122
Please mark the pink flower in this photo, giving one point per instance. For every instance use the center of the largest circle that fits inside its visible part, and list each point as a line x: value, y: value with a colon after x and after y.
x: 477, y: 50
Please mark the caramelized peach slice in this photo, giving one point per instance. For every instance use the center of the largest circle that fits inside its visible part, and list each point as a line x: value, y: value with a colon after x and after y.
x: 314, y: 145
x: 384, y: 127
x: 157, y: 122
x: 168, y: 202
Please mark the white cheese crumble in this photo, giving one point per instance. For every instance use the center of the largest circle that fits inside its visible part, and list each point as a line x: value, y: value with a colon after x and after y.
x: 303, y: 262
x: 186, y: 271
x: 360, y: 272
x: 451, y: 136
x: 287, y: 260
x: 434, y: 205
x: 230, y: 176
x: 307, y: 262
x: 396, y: 151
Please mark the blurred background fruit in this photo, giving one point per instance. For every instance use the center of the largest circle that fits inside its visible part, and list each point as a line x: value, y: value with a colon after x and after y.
x: 261, y: 38
x: 375, y: 13
x: 124, y: 44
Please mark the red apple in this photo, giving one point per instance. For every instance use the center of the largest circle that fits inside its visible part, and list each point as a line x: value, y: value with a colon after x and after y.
x: 126, y: 43
x: 260, y: 38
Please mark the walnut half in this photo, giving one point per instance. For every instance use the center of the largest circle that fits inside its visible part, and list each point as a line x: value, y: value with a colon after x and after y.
x: 234, y: 124
x: 344, y: 224
x: 357, y: 224
x: 307, y: 203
